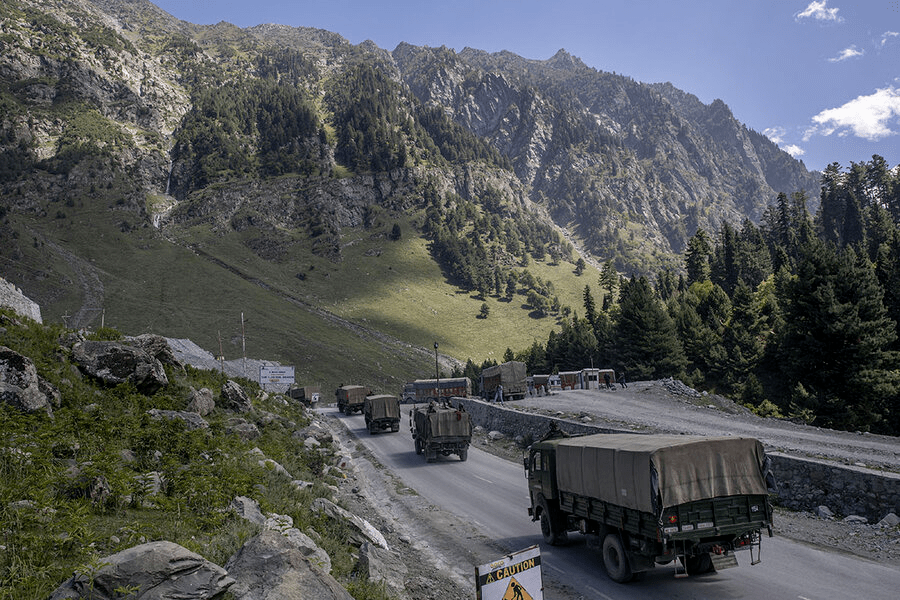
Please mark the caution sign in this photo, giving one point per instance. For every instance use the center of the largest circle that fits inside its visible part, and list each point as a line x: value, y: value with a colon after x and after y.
x: 513, y: 577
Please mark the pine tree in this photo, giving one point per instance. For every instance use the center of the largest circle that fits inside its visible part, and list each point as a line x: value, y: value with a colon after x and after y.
x: 646, y: 341
x: 836, y: 340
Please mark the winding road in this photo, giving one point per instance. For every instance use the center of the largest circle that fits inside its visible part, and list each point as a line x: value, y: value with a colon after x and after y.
x: 491, y: 493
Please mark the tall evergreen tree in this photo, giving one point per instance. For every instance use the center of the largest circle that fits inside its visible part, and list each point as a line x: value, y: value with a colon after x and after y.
x: 697, y: 257
x: 836, y: 341
x: 647, y: 344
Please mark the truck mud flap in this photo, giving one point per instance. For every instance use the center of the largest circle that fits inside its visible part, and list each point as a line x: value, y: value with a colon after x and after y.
x: 724, y: 561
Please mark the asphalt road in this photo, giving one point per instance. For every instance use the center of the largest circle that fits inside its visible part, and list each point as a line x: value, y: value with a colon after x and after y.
x: 491, y: 492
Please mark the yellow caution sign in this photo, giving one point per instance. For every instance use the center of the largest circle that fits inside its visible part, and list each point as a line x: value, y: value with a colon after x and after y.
x: 515, y: 591
x: 516, y: 576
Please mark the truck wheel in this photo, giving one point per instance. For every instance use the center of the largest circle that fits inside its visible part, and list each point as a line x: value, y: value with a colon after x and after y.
x: 463, y: 454
x: 347, y: 410
x: 430, y: 455
x: 614, y: 559
x: 699, y: 564
x: 395, y: 427
x: 418, y: 446
x: 373, y: 428
x: 551, y: 528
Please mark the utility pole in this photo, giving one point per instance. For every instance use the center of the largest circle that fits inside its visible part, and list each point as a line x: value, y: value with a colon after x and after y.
x: 437, y: 374
x: 243, y: 347
x: 221, y: 353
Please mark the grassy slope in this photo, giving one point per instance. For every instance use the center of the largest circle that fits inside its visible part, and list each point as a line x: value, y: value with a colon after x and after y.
x: 152, y: 285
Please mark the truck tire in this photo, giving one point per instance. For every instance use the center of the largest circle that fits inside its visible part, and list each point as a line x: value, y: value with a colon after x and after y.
x: 395, y: 427
x: 615, y: 560
x: 418, y: 446
x: 699, y: 564
x: 463, y: 454
x: 347, y: 410
x: 373, y: 428
x: 552, y: 528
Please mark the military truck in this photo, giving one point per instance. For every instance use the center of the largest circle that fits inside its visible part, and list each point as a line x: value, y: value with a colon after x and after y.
x: 440, y: 429
x: 509, y: 376
x: 653, y: 499
x: 350, y: 398
x: 308, y: 394
x: 382, y: 412
x: 426, y: 390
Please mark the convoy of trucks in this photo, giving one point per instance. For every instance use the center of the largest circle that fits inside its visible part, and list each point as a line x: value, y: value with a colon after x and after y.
x: 642, y: 499
x: 381, y: 412
x: 652, y: 499
x: 439, y: 428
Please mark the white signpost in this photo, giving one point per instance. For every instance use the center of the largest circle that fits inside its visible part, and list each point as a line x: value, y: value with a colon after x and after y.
x: 516, y: 576
x: 276, y: 375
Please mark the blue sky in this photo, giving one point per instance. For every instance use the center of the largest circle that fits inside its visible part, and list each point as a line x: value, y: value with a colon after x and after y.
x: 820, y: 77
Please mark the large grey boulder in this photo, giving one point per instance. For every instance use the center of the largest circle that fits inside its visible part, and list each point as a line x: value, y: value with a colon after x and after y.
x: 157, y: 571
x: 115, y: 363
x: 361, y: 530
x: 21, y: 387
x: 191, y: 419
x: 270, y: 567
x: 201, y: 401
x: 235, y: 398
x: 156, y: 346
x: 382, y: 566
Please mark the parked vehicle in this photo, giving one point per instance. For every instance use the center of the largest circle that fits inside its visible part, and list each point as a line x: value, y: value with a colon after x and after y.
x: 653, y: 499
x: 440, y: 429
x: 350, y: 398
x: 509, y: 376
x: 382, y: 413
x: 426, y: 390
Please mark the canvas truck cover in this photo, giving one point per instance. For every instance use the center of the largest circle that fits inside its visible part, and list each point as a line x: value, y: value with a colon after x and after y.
x: 629, y: 469
x: 382, y: 406
x: 353, y: 393
x: 442, y: 421
x: 511, y: 374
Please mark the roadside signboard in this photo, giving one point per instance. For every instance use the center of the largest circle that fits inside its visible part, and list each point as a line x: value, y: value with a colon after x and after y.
x: 516, y: 576
x: 276, y: 375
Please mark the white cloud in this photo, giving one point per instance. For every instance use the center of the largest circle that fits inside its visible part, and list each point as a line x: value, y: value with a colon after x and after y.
x: 846, y: 53
x: 819, y: 12
x: 776, y: 134
x: 887, y: 35
x: 794, y: 150
x: 867, y: 117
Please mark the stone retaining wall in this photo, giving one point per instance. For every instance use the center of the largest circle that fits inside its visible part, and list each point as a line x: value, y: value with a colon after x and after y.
x: 803, y: 484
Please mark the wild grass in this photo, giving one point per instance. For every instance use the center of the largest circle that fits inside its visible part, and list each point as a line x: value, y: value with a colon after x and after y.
x: 51, y: 526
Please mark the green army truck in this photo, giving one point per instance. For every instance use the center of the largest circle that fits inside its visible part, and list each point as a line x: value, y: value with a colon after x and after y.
x: 440, y: 429
x: 382, y: 413
x: 649, y: 500
x: 351, y: 398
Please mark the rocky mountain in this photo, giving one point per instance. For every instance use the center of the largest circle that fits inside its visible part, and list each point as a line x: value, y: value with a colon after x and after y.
x: 124, y: 131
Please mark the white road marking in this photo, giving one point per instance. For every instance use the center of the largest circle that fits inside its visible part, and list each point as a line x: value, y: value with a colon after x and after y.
x: 483, y: 479
x: 599, y: 593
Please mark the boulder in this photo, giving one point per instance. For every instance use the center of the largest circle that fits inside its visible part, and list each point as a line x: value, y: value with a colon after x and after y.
x: 191, y: 419
x: 270, y: 567
x: 362, y: 530
x: 248, y: 508
x: 156, y: 346
x: 21, y: 387
x: 157, y: 570
x: 382, y: 566
x: 115, y: 363
x: 235, y: 398
x: 242, y: 428
x: 201, y: 401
